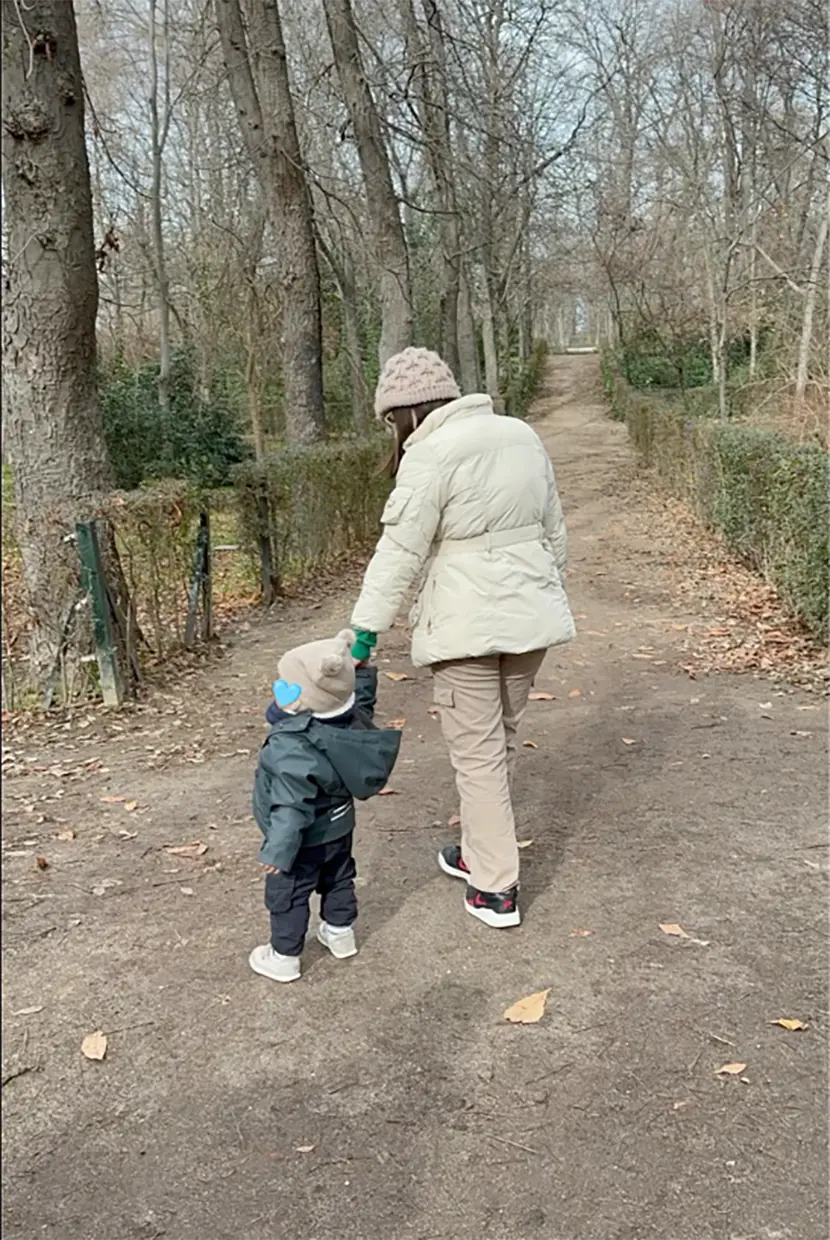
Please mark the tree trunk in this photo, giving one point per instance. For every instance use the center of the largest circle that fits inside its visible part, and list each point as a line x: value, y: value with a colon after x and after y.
x: 469, y: 369
x: 258, y: 74
x: 159, y: 126
x: 53, y: 437
x: 396, y: 296
x: 803, y: 368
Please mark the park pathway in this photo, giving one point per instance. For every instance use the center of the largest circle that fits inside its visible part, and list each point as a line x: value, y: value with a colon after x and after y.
x: 385, y: 1096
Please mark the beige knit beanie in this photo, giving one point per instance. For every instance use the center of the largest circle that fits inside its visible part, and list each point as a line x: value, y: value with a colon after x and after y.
x: 323, y: 672
x: 414, y: 377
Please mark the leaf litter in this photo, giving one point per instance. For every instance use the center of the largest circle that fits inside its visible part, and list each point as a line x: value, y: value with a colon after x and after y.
x: 94, y: 1045
x: 793, y: 1026
x: 677, y: 932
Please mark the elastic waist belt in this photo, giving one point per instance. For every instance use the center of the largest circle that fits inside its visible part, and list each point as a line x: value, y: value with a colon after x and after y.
x: 491, y: 540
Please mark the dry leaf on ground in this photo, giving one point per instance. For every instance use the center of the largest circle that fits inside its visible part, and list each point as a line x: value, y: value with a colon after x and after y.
x: 113, y: 800
x: 29, y: 1011
x: 305, y: 1149
x: 677, y: 932
x: 731, y: 1069
x: 42, y: 863
x: 387, y: 792
x: 628, y: 740
x: 130, y: 806
x: 398, y: 724
x: 581, y: 934
x: 530, y: 745
x: 454, y: 821
x: 680, y: 1104
x: 541, y: 696
x: 528, y: 1011
x: 196, y: 849
x: 65, y: 836
x: 575, y: 693
x: 396, y: 676
x: 186, y: 891
x: 787, y: 1023
x: 94, y: 1045
x: 523, y: 843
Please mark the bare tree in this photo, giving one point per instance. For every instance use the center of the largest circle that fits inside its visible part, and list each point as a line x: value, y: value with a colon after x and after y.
x: 53, y: 436
x: 395, y: 293
x: 255, y: 59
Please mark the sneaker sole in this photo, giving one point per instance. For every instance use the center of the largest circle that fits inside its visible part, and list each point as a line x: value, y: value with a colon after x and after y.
x: 451, y: 870
x: 497, y: 921
x: 272, y: 977
x: 338, y: 955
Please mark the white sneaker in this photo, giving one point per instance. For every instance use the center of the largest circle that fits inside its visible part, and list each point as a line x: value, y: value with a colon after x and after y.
x: 338, y: 939
x: 265, y: 961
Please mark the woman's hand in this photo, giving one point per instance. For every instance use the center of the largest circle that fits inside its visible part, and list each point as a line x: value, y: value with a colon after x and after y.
x: 270, y: 869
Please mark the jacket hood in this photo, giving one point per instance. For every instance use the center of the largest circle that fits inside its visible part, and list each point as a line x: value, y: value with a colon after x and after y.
x: 364, y: 760
x: 465, y: 407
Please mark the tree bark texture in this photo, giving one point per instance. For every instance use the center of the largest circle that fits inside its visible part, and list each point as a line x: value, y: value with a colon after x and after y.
x: 254, y: 51
x: 53, y: 436
x: 396, y: 296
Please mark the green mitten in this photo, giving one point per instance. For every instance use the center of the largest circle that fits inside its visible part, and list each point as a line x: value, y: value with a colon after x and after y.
x: 365, y: 643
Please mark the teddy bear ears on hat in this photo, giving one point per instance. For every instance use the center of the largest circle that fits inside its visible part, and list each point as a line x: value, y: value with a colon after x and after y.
x: 333, y: 664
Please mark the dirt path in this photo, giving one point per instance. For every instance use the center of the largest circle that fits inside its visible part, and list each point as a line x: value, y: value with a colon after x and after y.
x: 384, y: 1097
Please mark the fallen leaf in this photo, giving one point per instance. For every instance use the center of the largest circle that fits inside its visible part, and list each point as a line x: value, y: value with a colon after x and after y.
x: 530, y: 745
x: 677, y: 931
x: 104, y: 886
x: 128, y: 835
x: 575, y: 693
x: 678, y: 1106
x: 305, y: 1149
x: 42, y: 863
x: 396, y: 676
x: 196, y: 849
x: 186, y: 891
x: 387, y: 792
x: 523, y: 843
x: 113, y: 800
x: 398, y: 724
x: 581, y: 934
x: 628, y: 740
x: 528, y: 1011
x: 65, y: 836
x: 593, y: 633
x: 717, y: 632
x: 786, y: 1023
x: 94, y: 1045
x: 731, y: 1069
x: 130, y: 806
x: 455, y: 821
x: 540, y: 696
x: 799, y: 732
x: 29, y: 1011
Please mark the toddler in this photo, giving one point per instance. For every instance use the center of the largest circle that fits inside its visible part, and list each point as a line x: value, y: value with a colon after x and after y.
x: 322, y: 752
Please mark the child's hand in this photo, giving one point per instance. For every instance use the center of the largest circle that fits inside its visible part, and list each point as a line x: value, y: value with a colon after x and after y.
x: 270, y: 869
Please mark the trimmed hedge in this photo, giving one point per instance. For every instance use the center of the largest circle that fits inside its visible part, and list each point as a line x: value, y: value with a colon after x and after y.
x: 766, y: 493
x: 310, y: 505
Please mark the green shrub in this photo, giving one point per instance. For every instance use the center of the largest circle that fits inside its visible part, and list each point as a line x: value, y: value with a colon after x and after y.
x: 198, y: 441
x: 526, y: 379
x: 313, y: 504
x: 766, y: 493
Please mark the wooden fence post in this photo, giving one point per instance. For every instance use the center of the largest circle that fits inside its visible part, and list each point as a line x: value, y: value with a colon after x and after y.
x: 201, y: 584
x: 95, y: 586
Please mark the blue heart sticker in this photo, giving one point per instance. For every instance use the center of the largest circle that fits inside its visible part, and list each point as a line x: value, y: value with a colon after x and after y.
x: 286, y: 695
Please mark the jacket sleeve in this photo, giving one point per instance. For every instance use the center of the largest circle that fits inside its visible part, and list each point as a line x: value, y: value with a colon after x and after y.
x: 554, y: 523
x: 410, y: 520
x: 366, y: 689
x: 289, y: 795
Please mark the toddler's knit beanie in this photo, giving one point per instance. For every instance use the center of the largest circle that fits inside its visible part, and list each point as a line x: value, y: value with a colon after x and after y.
x: 414, y: 377
x: 324, y: 673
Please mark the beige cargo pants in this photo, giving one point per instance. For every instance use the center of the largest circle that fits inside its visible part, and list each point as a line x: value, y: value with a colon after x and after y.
x: 482, y: 702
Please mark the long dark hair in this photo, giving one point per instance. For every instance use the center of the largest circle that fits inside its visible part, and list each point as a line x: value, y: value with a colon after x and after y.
x: 403, y: 422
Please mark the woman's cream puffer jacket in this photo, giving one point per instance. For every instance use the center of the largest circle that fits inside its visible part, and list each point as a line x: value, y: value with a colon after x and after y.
x: 475, y: 501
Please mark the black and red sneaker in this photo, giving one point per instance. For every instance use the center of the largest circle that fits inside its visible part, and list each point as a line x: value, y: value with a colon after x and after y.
x: 494, y: 908
x: 451, y: 862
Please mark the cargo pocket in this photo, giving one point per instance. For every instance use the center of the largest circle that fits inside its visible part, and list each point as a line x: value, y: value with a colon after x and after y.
x: 279, y: 892
x: 443, y: 695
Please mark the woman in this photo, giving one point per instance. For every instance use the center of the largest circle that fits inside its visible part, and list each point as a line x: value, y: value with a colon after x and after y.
x: 475, y: 501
